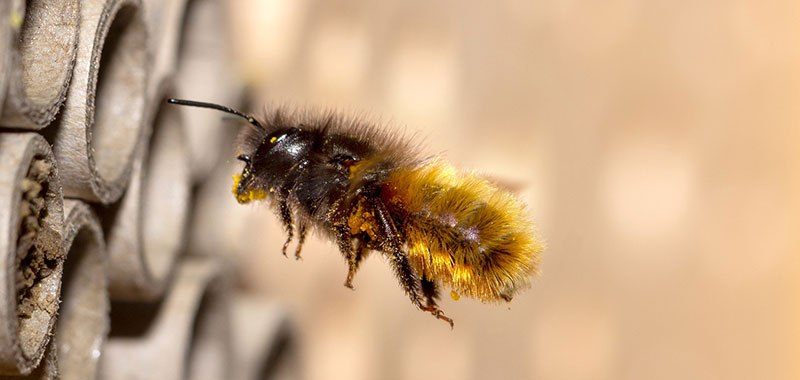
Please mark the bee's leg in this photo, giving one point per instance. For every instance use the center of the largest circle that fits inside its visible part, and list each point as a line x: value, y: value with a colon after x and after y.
x: 286, y: 219
x: 354, y: 261
x: 361, y: 252
x: 429, y: 290
x: 392, y: 244
x: 345, y: 242
x: 301, y: 238
x: 431, y: 293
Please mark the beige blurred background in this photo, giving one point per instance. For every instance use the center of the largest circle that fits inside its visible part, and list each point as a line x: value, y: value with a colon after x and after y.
x: 658, y: 146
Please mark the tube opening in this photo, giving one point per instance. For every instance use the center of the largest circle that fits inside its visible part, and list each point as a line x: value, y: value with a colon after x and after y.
x: 120, y: 93
x: 37, y: 258
x: 165, y: 192
x: 47, y: 48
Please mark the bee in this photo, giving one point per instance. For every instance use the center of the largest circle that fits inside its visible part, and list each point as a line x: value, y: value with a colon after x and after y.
x: 368, y: 190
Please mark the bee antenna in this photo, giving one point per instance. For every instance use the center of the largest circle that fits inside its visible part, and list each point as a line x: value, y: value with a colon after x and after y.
x: 192, y: 103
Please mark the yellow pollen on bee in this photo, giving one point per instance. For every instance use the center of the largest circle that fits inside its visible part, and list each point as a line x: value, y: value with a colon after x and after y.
x: 368, y: 226
x: 362, y: 221
x: 272, y: 140
x: 455, y: 296
x: 248, y: 196
x: 236, y: 179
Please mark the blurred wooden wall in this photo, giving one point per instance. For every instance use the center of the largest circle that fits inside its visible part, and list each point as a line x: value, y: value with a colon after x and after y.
x: 657, y: 143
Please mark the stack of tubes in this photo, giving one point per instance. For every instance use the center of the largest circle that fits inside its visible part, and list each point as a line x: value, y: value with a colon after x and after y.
x: 97, y: 174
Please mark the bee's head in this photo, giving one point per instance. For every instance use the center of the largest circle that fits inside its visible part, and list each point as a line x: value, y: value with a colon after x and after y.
x: 268, y: 153
x: 271, y: 159
x: 245, y: 186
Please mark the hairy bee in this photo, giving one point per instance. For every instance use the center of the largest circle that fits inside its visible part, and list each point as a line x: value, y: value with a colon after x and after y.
x: 370, y: 191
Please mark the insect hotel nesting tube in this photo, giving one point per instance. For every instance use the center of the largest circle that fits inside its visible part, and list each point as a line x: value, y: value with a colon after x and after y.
x: 203, y: 53
x: 147, y: 226
x: 163, y: 19
x: 101, y: 123
x: 83, y: 320
x: 31, y: 258
x: 7, y: 32
x: 47, y: 369
x: 184, y: 336
x: 264, y: 349
x: 40, y: 38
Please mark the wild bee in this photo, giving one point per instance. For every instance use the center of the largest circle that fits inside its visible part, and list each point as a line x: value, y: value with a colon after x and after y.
x: 369, y: 190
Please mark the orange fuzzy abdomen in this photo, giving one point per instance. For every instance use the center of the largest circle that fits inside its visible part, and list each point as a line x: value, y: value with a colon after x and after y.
x: 464, y: 232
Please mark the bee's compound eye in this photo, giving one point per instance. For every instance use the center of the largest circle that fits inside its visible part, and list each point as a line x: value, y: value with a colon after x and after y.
x: 244, y: 157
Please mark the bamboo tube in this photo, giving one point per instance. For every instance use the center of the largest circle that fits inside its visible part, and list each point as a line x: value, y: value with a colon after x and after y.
x: 147, y: 227
x: 262, y: 340
x: 83, y: 320
x: 11, y: 16
x: 31, y: 258
x: 101, y: 123
x: 213, y: 201
x: 204, y: 54
x: 163, y: 19
x: 47, y: 369
x: 186, y: 335
x: 41, y: 60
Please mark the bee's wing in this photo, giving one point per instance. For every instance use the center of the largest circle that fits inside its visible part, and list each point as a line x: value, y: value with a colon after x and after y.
x: 510, y: 185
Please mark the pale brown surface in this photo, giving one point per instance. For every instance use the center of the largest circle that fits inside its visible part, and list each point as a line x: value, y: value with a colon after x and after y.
x: 23, y: 339
x: 83, y: 320
x: 146, y: 234
x: 98, y: 129
x: 657, y: 145
x: 40, y: 39
x: 185, y: 335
